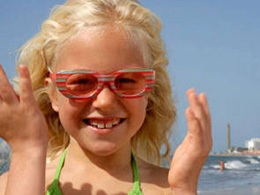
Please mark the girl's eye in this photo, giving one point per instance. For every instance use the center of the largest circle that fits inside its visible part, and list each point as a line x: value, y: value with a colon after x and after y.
x: 126, y: 80
x: 79, y: 84
x: 82, y: 81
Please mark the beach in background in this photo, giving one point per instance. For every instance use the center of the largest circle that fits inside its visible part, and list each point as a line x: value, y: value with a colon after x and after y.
x: 241, y: 176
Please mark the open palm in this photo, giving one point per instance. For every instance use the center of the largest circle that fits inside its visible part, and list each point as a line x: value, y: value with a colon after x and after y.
x: 190, y: 156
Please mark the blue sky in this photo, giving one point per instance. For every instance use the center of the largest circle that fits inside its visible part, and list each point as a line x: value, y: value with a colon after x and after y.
x: 213, y: 46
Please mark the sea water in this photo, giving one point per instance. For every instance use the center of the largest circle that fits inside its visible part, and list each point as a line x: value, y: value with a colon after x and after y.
x: 241, y: 173
x: 4, y: 157
x: 241, y: 176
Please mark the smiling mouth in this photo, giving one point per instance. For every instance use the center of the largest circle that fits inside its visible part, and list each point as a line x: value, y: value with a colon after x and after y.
x: 103, y: 123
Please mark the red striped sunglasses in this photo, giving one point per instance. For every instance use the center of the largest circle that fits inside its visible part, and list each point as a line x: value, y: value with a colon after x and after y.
x: 83, y: 84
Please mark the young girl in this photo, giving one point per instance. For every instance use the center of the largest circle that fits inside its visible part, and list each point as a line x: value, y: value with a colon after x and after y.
x: 97, y: 103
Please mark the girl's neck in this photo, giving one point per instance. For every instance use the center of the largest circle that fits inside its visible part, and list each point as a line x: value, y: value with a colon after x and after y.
x: 113, y: 162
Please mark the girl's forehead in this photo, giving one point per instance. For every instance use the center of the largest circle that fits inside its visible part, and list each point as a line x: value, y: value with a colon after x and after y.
x: 104, y: 53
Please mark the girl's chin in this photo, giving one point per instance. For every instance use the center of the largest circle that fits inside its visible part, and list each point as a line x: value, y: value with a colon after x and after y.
x: 102, y: 148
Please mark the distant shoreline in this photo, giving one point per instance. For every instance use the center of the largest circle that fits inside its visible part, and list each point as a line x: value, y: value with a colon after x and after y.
x: 235, y: 154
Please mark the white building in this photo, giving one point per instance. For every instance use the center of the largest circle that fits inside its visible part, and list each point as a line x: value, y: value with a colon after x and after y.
x: 253, y: 144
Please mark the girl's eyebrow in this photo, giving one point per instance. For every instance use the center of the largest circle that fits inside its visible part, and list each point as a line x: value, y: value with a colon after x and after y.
x: 92, y: 71
x: 76, y: 71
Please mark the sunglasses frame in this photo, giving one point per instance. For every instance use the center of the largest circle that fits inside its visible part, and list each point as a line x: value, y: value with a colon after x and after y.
x: 60, y: 78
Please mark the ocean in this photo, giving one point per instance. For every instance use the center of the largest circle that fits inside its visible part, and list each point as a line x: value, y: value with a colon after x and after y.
x: 4, y: 156
x: 241, y: 175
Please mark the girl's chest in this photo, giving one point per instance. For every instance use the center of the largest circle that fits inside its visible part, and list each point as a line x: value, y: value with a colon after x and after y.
x: 82, y: 183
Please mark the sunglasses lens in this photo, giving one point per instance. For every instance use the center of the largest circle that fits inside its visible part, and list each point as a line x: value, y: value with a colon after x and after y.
x: 130, y: 83
x: 81, y: 84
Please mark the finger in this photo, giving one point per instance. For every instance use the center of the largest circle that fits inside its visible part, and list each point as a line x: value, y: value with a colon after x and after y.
x: 203, y: 101
x: 197, y: 108
x: 194, y: 126
x: 25, y: 86
x: 7, y: 93
x: 200, y: 139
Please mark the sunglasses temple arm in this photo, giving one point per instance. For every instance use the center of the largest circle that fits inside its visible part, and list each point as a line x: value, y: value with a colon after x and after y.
x: 52, y: 76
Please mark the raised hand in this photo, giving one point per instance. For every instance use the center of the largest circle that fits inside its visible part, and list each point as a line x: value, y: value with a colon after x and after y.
x: 190, y: 156
x: 23, y: 127
x: 22, y: 124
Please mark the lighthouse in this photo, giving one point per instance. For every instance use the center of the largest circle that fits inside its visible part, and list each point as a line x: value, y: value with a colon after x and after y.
x: 228, y: 138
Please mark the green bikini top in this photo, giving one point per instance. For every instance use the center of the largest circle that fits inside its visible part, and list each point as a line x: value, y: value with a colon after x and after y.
x: 55, y: 190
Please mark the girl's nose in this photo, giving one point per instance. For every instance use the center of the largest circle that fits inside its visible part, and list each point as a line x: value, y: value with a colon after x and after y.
x: 106, y: 99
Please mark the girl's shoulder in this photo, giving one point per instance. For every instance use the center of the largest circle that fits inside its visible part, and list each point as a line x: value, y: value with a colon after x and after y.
x: 51, y: 168
x: 153, y: 177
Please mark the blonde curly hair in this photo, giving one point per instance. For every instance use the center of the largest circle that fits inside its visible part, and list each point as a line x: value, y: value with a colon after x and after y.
x: 40, y: 54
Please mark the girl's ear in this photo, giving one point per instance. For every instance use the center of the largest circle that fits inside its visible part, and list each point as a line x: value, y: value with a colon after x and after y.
x: 52, y: 94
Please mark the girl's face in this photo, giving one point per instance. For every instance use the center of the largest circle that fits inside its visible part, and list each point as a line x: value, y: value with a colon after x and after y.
x: 89, y: 121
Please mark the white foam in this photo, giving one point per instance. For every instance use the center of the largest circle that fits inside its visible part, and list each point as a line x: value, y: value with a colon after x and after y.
x: 252, y: 161
x: 235, y: 164
x: 215, y: 166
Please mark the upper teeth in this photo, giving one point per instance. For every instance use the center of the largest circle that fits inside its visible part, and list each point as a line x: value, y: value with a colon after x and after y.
x: 101, y: 124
